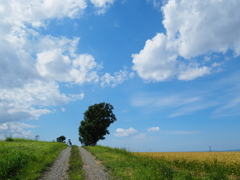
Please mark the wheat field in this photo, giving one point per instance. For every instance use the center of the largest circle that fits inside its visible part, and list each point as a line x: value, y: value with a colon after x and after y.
x: 227, y: 157
x: 225, y: 163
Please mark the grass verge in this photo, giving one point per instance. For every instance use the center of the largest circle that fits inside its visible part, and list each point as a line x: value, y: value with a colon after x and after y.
x: 75, y: 171
x: 126, y: 165
x: 27, y: 159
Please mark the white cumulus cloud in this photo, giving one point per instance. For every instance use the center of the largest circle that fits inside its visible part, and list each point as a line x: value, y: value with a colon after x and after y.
x: 202, y: 26
x: 155, y: 62
x: 33, y: 65
x: 193, y: 28
x: 125, y: 132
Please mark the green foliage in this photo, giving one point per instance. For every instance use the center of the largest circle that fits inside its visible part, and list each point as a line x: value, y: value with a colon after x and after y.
x: 26, y: 159
x: 9, y: 139
x: 61, y: 139
x: 126, y: 165
x: 75, y: 171
x: 97, y: 119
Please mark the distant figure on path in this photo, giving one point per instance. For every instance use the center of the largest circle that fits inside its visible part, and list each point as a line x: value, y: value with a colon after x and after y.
x: 69, y: 142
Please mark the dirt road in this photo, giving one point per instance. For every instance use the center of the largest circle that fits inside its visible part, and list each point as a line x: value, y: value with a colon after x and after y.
x: 58, y: 171
x: 92, y: 168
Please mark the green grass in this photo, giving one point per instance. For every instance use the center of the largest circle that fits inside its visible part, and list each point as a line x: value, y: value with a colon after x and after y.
x: 27, y: 159
x: 126, y: 165
x: 75, y: 171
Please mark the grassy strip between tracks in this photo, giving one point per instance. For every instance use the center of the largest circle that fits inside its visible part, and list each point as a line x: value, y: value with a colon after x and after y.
x: 75, y: 171
x: 126, y: 165
x: 27, y: 159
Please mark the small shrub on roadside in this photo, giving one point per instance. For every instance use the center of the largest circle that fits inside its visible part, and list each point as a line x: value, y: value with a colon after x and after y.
x: 9, y: 139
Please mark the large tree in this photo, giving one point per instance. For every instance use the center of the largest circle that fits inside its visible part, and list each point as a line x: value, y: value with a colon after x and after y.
x: 97, y: 119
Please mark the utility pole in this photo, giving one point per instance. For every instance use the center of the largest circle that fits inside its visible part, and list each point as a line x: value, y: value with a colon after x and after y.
x: 210, y: 150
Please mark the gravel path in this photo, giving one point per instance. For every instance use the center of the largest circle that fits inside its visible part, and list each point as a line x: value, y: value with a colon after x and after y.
x: 92, y: 168
x: 58, y: 171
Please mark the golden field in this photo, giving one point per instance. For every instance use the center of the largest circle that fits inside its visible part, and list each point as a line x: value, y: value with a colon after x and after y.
x: 202, y: 165
x: 228, y: 157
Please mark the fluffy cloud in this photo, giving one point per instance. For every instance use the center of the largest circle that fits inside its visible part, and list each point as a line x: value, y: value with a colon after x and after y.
x: 24, y: 103
x: 125, y: 132
x: 55, y: 65
x: 193, y: 71
x: 200, y: 27
x: 193, y: 28
x: 155, y: 62
x: 34, y: 12
x: 33, y: 65
x: 118, y: 78
x: 15, y: 130
x: 102, y: 5
x: 29, y: 76
x: 85, y: 69
x: 153, y: 129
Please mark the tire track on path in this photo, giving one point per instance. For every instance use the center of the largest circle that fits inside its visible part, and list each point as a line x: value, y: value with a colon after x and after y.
x: 92, y: 170
x: 58, y: 171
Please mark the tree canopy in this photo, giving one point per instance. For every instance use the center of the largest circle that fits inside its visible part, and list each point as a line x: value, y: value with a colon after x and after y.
x: 61, y: 139
x: 97, y: 119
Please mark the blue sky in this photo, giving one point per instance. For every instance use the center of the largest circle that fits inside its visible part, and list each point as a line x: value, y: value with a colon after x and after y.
x: 170, y: 68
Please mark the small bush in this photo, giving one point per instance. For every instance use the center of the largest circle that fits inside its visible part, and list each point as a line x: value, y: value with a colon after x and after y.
x: 9, y: 139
